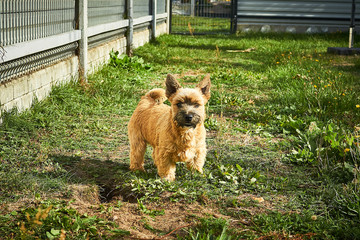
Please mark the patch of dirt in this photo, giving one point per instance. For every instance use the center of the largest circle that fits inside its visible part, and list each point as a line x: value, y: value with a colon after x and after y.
x: 85, y: 195
x: 166, y: 217
x: 178, y: 216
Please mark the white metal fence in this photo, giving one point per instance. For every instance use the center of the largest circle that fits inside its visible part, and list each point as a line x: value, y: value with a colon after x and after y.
x: 37, y: 33
x: 23, y: 20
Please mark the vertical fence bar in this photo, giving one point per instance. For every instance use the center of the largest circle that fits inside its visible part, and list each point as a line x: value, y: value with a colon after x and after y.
x: 1, y: 26
x: 63, y: 15
x: 39, y: 25
x: 53, y: 17
x: 2, y: 23
x: 16, y: 22
x: 22, y: 19
x: 32, y: 7
x: 27, y: 20
x: 83, y: 46
x: 7, y: 22
x: 130, y: 31
x: 37, y: 20
x: 31, y: 20
x: 48, y: 12
x: 154, y: 8
x: 43, y: 22
x: 192, y: 8
x: 168, y: 20
x: 50, y: 16
x: 62, y: 12
x: 56, y: 20
x: 45, y: 18
x: 12, y: 24
x: 19, y: 20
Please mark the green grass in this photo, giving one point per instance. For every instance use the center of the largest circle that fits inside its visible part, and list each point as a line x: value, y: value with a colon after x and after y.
x: 283, y: 146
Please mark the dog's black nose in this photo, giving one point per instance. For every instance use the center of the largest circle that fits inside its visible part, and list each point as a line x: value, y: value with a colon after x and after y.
x: 189, y: 117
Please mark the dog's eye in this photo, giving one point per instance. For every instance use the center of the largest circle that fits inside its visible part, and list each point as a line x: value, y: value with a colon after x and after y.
x: 196, y: 105
x: 179, y: 104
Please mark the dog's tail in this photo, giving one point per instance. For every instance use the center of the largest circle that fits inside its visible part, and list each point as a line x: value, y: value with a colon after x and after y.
x: 157, y: 95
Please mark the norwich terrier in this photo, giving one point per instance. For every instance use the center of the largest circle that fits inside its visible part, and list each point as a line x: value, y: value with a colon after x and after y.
x: 176, y: 133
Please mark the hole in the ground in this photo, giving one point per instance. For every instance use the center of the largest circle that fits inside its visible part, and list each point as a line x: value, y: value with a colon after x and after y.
x: 109, y: 193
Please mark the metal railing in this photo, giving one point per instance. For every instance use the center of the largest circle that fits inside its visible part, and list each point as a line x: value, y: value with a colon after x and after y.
x: 23, y: 20
x: 37, y: 33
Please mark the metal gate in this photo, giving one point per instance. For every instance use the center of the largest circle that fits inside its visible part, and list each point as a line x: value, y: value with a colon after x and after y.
x: 203, y: 16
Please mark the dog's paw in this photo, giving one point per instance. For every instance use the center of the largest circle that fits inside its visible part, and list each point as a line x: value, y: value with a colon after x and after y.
x: 193, y: 167
x: 137, y: 168
x: 169, y: 178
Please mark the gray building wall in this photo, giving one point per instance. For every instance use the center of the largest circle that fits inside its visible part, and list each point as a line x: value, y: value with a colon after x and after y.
x: 296, y: 16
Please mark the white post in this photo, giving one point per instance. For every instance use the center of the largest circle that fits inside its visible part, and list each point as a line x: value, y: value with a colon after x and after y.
x: 83, y: 15
x: 351, y: 37
x: 192, y: 8
x: 168, y: 16
x: 130, y: 32
x: 154, y: 6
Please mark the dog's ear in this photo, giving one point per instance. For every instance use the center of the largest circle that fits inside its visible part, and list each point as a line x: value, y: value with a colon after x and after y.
x: 204, y: 86
x: 172, y: 85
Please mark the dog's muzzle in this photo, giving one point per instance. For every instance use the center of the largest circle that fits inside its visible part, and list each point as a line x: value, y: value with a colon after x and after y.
x: 187, y: 119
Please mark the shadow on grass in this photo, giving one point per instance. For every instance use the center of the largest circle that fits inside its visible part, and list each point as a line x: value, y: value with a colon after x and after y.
x: 111, y: 178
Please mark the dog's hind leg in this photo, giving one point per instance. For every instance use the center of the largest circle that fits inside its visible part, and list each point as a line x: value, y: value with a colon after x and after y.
x: 137, y: 151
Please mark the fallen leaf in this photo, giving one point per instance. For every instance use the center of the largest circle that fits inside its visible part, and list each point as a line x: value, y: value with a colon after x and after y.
x: 258, y: 199
x: 241, y: 51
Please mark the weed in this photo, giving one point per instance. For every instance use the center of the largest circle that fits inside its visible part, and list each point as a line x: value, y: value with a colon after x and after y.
x: 53, y: 220
x: 123, y: 61
x: 210, y: 228
x: 149, y: 212
x: 279, y: 225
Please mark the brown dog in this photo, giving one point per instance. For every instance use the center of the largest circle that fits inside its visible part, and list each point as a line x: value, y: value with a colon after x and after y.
x: 176, y: 133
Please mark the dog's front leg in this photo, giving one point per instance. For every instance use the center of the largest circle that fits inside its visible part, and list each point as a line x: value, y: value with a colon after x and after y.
x: 166, y: 167
x: 199, y: 160
x: 167, y: 171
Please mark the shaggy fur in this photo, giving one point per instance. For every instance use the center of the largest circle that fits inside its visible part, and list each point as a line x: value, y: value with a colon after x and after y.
x: 176, y: 133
